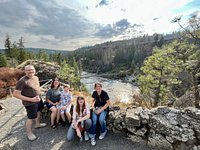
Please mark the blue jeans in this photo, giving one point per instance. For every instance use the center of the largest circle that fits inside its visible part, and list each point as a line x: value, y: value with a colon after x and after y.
x: 101, y: 118
x: 71, y: 131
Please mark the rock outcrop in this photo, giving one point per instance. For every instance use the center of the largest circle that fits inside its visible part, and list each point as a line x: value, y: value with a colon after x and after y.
x: 44, y: 70
x: 165, y: 127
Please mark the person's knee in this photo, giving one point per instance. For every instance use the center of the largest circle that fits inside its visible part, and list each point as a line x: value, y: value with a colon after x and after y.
x: 88, y: 122
x: 69, y: 137
x: 102, y: 120
x: 94, y: 118
x: 68, y: 114
x: 54, y: 110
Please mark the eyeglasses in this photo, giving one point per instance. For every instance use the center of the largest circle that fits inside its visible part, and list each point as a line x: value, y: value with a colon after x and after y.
x: 29, y: 69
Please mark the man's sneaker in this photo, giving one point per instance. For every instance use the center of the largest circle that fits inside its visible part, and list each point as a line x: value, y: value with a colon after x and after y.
x: 41, y: 125
x: 86, y: 137
x: 81, y: 139
x: 31, y: 137
x: 93, y: 142
x: 102, y: 135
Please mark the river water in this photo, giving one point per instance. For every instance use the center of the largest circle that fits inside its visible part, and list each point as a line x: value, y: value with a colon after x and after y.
x: 117, y: 90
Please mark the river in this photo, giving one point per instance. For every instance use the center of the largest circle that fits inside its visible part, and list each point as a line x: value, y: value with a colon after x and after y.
x: 118, y: 91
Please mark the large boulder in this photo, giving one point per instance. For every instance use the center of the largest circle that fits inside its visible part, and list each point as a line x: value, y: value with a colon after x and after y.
x: 44, y: 70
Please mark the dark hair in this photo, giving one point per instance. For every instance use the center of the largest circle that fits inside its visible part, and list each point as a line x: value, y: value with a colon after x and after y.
x: 78, y: 106
x: 95, y: 85
x: 52, y: 83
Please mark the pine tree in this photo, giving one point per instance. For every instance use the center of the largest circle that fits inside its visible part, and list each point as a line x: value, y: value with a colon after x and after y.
x: 160, y: 73
x: 3, y: 60
x: 8, y: 47
x: 190, y: 53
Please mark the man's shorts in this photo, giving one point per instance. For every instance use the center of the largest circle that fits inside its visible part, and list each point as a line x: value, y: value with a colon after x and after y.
x: 40, y: 106
x: 32, y: 111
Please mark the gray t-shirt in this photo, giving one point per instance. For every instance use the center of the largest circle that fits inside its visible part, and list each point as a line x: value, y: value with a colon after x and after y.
x: 53, y: 95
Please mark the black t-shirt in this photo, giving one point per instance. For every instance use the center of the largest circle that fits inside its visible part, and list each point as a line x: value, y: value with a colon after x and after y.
x: 100, y: 100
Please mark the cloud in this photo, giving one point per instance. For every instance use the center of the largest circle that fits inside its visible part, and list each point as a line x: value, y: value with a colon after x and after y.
x: 121, y: 27
x: 13, y: 14
x: 106, y: 31
x: 59, y: 22
x: 122, y: 24
x: 156, y: 18
x: 103, y: 2
x: 46, y: 22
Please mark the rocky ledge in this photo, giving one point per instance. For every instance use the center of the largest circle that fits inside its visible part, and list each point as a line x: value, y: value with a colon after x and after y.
x: 165, y: 127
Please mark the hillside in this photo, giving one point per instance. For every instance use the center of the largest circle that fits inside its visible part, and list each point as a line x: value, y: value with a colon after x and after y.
x: 121, y: 55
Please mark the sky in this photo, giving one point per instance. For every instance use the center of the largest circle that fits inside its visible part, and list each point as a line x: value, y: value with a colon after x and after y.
x: 72, y: 24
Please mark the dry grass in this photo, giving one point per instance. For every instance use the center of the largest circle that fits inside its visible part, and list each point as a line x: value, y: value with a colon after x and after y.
x: 7, y: 74
x: 140, y: 101
x: 86, y: 95
x: 8, y: 78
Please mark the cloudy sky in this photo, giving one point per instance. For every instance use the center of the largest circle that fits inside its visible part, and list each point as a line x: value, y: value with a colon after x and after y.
x: 71, y: 24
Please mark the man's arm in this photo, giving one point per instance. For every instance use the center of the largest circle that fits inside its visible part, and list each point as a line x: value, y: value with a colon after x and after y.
x: 18, y: 95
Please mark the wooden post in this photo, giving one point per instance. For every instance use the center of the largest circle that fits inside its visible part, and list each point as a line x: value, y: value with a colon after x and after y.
x: 10, y: 89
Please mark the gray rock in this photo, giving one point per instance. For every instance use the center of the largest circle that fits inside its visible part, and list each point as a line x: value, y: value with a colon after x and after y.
x: 158, y: 140
x: 5, y: 146
x: 193, y: 112
x: 196, y: 147
x: 141, y: 132
x: 135, y: 138
x: 144, y: 115
x: 131, y: 119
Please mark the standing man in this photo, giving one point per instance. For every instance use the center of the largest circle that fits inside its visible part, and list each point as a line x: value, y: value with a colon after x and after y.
x: 28, y: 90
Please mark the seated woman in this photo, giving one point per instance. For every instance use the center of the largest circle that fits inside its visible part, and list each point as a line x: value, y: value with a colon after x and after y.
x: 81, y: 120
x: 100, y: 104
x: 65, y: 104
x: 52, y: 100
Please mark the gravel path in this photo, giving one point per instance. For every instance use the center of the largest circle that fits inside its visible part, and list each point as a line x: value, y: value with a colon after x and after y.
x: 12, y: 131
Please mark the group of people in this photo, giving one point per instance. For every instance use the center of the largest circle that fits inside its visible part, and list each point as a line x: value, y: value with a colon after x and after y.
x: 83, y: 121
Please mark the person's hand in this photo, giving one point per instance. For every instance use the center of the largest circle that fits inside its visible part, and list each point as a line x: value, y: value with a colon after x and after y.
x: 56, y: 103
x: 74, y: 124
x: 36, y: 99
x: 63, y: 108
x: 98, y: 111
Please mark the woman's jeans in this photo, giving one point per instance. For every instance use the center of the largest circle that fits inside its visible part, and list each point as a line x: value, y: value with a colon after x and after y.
x: 71, y: 131
x: 101, y: 118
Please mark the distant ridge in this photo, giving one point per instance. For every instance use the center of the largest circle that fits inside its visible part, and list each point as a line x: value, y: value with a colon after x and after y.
x: 36, y: 50
x: 49, y: 51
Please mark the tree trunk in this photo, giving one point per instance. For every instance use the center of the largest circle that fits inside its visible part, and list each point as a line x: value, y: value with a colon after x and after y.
x: 196, y: 92
x: 157, y: 95
x: 196, y: 95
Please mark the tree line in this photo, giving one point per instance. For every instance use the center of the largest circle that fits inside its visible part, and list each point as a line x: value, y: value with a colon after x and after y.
x: 15, y: 53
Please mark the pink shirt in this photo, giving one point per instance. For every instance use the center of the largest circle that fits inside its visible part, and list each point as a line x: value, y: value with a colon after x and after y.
x: 85, y: 112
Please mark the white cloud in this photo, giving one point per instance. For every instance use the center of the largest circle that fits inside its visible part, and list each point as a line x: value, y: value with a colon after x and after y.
x: 70, y: 24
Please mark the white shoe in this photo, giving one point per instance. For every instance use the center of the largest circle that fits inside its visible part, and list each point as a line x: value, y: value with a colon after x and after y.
x: 86, y: 137
x: 102, y: 135
x: 41, y: 125
x: 31, y: 137
x: 93, y: 142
